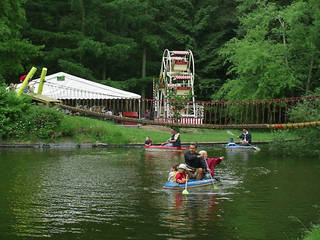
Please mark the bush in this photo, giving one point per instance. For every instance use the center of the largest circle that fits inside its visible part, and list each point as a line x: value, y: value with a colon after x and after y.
x: 313, y: 234
x: 308, y: 143
x: 12, y: 109
x: 68, y: 127
x: 20, y: 119
x: 44, y: 121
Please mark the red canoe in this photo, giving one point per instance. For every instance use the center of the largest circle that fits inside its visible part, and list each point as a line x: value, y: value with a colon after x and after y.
x: 164, y: 148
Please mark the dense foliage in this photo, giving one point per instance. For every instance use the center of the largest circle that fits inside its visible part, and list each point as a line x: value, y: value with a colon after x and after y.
x: 121, y: 41
x: 21, y: 120
x: 243, y: 48
x: 15, y: 52
x: 276, y: 51
x: 307, y: 143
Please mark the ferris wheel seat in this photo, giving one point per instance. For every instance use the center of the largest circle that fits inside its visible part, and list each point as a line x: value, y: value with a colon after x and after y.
x: 180, y: 52
x: 183, y: 88
x: 182, y: 77
x: 174, y: 85
x: 180, y: 63
x: 178, y: 58
x: 183, y: 91
x: 180, y: 67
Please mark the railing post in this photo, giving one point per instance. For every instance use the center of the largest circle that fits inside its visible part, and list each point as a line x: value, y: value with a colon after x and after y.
x: 139, y: 102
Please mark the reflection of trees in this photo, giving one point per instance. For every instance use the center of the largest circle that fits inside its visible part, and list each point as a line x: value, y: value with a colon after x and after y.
x: 173, y: 156
x: 24, y: 178
x: 67, y: 192
x: 186, y: 212
x: 242, y: 155
x: 182, y: 214
x: 54, y: 191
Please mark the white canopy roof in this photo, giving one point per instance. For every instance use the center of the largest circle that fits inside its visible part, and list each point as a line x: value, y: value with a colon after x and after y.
x: 65, y: 86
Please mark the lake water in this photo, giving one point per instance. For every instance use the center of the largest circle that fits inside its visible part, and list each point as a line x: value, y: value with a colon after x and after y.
x: 117, y: 194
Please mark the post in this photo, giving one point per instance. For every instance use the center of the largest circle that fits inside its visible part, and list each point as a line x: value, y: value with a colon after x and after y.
x: 139, y: 108
x: 43, y: 75
x: 26, y: 80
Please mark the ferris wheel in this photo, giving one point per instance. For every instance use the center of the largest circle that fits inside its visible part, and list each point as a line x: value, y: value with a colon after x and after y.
x: 176, y: 81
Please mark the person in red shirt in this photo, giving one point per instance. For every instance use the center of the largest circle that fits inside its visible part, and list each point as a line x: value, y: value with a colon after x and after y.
x: 182, y: 176
x: 211, y: 162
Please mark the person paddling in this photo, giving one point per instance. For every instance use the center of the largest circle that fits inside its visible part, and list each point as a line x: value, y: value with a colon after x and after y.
x: 245, y: 138
x: 211, y: 162
x: 174, y: 141
x: 195, y: 162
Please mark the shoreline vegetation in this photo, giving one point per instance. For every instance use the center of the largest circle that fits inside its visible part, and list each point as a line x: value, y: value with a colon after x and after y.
x: 79, y: 130
x: 26, y: 123
x: 23, y: 122
x: 313, y: 234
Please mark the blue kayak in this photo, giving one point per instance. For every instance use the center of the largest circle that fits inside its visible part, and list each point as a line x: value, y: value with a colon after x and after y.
x: 233, y: 146
x: 191, y: 184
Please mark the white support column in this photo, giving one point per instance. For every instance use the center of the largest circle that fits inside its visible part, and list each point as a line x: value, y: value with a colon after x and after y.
x: 140, y: 108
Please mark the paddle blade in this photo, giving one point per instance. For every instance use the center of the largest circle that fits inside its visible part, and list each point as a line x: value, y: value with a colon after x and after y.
x: 230, y: 133
x: 257, y: 149
x: 185, y: 192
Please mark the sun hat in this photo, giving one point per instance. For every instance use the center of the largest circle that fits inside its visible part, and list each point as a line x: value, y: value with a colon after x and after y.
x: 183, y: 166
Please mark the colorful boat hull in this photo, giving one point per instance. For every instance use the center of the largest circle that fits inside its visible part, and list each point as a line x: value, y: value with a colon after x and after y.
x: 191, y: 184
x: 236, y: 147
x: 163, y: 148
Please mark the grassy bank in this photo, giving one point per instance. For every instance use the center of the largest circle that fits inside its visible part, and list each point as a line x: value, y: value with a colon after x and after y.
x: 82, y: 129
x: 23, y: 122
x: 314, y: 234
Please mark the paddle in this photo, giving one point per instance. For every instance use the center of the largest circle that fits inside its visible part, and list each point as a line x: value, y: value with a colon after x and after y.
x: 185, y: 191
x: 215, y: 187
x: 255, y: 148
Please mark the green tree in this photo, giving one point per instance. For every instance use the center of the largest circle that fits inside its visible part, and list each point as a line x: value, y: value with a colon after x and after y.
x: 276, y: 51
x: 258, y: 59
x: 214, y: 23
x: 81, y: 37
x: 14, y: 51
x: 176, y: 24
x: 301, y: 25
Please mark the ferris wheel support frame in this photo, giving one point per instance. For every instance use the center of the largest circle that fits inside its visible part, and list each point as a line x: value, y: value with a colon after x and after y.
x: 170, y: 72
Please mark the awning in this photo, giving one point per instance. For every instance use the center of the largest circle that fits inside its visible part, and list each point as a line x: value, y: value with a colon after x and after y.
x: 66, y: 86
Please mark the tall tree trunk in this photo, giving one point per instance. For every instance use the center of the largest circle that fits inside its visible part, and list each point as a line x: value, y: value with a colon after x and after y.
x: 144, y: 63
x: 143, y: 75
x: 104, y: 71
x: 309, y: 75
x: 83, y: 15
x: 284, y: 41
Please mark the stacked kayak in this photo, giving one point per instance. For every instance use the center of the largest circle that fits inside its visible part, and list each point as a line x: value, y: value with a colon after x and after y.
x: 233, y: 146
x: 163, y: 148
x: 192, y: 183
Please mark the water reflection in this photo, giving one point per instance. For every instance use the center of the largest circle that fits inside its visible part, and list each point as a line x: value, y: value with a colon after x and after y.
x: 242, y: 155
x: 175, y: 156
x: 117, y: 194
x: 189, y: 212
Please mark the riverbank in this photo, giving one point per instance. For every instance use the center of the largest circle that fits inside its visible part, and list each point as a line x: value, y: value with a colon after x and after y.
x: 313, y: 234
x: 86, y: 132
x: 25, y: 123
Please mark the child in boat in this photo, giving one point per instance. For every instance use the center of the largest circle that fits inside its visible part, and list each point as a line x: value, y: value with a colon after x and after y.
x: 172, y: 174
x: 148, y: 142
x: 182, y: 176
x: 211, y: 162
x: 231, y: 142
